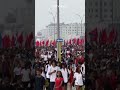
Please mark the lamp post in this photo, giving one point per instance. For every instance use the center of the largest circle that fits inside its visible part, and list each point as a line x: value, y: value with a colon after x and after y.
x: 81, y: 20
x: 58, y: 35
x: 54, y: 22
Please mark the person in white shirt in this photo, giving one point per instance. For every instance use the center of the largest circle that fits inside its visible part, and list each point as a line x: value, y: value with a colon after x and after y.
x: 48, y: 66
x: 52, y: 74
x: 64, y: 71
x: 45, y: 57
x: 49, y: 56
x: 78, y: 79
x: 17, y: 73
x: 26, y: 77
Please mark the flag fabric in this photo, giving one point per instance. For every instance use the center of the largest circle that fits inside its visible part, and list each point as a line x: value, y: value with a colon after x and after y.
x: 47, y: 43
x: 20, y: 39
x: 67, y: 42
x: 54, y: 43
x: 37, y: 43
x: 0, y: 40
x: 116, y: 36
x: 104, y: 37
x: 111, y: 36
x: 70, y: 42
x: 43, y: 42
x: 78, y: 41
x: 40, y: 43
x: 74, y: 40
x: 94, y: 35
x: 13, y: 41
x: 4, y: 41
x: 50, y: 42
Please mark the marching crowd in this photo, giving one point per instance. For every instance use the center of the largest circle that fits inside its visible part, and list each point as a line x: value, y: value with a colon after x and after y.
x: 60, y: 75
x: 16, y: 69
x: 103, y: 67
x: 29, y: 69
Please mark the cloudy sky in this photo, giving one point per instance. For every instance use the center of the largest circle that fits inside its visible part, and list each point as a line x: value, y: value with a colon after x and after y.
x: 68, y: 11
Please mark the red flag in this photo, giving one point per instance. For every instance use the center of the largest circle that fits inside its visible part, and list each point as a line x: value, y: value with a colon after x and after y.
x: 116, y: 36
x: 12, y: 41
x: 51, y: 42
x: 40, y: 44
x: 94, y: 35
x: 70, y: 42
x: 78, y: 40
x: 54, y: 43
x: 104, y: 37
x: 111, y: 36
x: 30, y: 38
x: 82, y: 41
x: 43, y: 42
x: 26, y: 42
x: 67, y: 42
x: 47, y: 43
x: 8, y: 41
x: 20, y: 39
x: 74, y: 40
x: 37, y: 43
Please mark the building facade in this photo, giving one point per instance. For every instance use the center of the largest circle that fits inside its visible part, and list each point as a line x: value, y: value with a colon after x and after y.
x: 102, y: 13
x: 66, y: 30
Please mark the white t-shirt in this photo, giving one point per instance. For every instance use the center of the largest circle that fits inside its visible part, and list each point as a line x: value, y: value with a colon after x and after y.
x: 42, y: 56
x: 48, y: 70
x: 49, y: 56
x: 58, y: 68
x: 83, y: 69
x: 65, y: 75
x: 53, y: 75
x: 45, y: 58
x: 78, y: 79
x: 25, y: 75
x: 43, y: 74
x: 17, y: 71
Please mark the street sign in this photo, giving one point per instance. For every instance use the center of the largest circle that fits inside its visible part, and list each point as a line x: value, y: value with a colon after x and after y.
x: 60, y: 40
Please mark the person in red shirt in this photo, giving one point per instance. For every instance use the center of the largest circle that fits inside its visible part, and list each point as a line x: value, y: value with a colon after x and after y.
x: 80, y: 59
x: 71, y: 74
x: 59, y: 81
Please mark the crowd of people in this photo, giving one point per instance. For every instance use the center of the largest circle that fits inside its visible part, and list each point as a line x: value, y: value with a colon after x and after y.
x: 67, y: 74
x: 39, y: 69
x: 17, y: 69
x: 102, y: 66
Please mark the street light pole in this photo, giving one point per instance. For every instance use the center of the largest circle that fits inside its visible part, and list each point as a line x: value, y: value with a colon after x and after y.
x: 81, y: 19
x: 54, y: 22
x: 58, y: 34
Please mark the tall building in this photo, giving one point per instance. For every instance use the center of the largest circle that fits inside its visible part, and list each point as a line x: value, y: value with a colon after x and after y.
x: 66, y: 30
x: 102, y: 13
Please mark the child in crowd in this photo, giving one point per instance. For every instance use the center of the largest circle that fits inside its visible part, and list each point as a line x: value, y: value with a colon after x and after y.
x: 59, y: 81
x: 39, y: 80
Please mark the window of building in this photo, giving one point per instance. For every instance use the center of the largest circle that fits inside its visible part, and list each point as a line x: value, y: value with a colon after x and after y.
x: 89, y: 10
x: 105, y: 16
x: 110, y: 3
x: 111, y: 10
x: 96, y: 3
x: 105, y: 10
x: 96, y: 15
x: 105, y: 3
x: 111, y: 16
x: 96, y: 10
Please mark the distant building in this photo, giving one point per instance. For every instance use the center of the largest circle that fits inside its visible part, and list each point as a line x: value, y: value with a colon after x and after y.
x: 73, y: 29
x: 103, y: 13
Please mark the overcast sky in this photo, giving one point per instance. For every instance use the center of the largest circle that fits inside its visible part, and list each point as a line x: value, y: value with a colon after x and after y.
x: 68, y: 11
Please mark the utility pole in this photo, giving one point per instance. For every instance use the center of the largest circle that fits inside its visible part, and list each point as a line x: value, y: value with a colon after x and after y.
x: 54, y: 23
x: 58, y: 35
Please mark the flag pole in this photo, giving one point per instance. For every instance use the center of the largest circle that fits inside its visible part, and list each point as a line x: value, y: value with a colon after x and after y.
x: 58, y: 35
